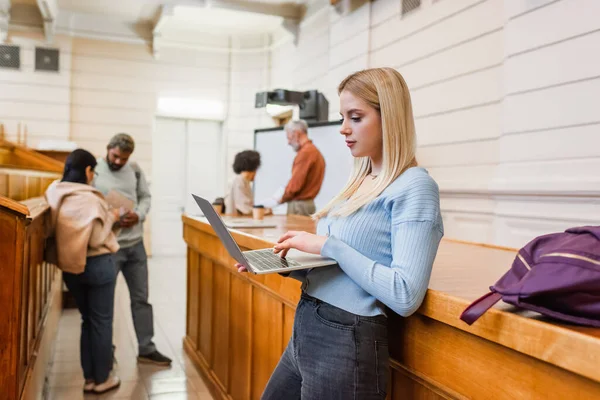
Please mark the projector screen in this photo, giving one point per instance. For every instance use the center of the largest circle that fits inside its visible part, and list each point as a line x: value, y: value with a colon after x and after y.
x: 277, y: 158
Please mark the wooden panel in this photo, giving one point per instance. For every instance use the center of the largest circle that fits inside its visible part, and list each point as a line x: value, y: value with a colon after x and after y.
x: 220, y: 327
x: 23, y: 320
x: 204, y: 339
x: 36, y: 378
x: 193, y: 282
x: 267, y: 326
x: 44, y: 279
x: 240, y: 338
x: 31, y: 298
x: 464, y: 363
x: 37, y: 237
x: 32, y: 187
x: 45, y: 183
x: 8, y: 245
x: 16, y: 187
x: 3, y: 185
x: 406, y: 388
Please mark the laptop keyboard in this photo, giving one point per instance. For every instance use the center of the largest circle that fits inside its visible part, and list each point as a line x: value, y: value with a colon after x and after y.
x: 265, y: 260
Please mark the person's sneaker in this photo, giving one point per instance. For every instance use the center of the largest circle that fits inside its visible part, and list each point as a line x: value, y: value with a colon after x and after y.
x: 88, y: 386
x: 111, y: 383
x: 154, y: 358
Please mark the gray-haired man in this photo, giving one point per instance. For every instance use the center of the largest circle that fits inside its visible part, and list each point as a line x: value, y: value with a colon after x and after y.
x: 115, y: 173
x: 308, y: 171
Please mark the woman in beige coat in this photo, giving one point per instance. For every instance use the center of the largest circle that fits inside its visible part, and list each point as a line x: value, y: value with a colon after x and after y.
x: 238, y: 200
x: 82, y: 228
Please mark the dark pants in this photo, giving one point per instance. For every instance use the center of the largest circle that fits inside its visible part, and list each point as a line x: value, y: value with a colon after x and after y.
x: 94, y: 293
x: 332, y: 354
x: 133, y: 262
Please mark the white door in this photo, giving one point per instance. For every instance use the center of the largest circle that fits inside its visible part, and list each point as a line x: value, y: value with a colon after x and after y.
x: 185, y: 160
x: 168, y: 186
x: 204, y: 155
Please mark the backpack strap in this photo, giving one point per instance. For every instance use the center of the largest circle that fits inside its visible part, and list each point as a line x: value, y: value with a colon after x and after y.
x: 479, y: 307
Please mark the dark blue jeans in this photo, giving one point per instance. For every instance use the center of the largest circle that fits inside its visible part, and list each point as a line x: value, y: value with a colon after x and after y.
x: 94, y: 293
x: 332, y: 354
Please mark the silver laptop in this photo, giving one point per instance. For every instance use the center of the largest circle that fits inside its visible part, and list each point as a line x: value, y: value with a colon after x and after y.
x: 259, y: 261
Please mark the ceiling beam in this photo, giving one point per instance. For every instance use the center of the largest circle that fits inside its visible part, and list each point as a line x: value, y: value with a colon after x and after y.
x: 49, y: 11
x: 292, y: 14
x: 165, y: 11
x: 4, y: 19
x: 290, y: 11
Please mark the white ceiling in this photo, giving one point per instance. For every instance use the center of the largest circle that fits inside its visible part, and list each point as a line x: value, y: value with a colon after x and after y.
x: 215, y: 16
x: 127, y: 10
x: 219, y: 20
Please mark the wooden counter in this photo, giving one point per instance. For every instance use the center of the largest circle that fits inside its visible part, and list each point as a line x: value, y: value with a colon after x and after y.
x: 239, y: 324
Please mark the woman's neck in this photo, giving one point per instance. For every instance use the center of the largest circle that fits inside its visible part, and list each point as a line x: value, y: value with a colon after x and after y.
x: 246, y: 175
x: 375, y: 166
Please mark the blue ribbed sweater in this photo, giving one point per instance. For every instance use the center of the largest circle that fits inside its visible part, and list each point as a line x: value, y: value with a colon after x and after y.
x: 385, y: 250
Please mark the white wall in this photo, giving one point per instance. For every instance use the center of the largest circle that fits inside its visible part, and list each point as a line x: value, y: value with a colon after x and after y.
x: 115, y: 88
x: 249, y: 74
x: 105, y: 87
x: 505, y: 94
x: 41, y: 100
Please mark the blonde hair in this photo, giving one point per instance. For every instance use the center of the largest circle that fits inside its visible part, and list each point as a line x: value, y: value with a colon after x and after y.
x: 385, y: 90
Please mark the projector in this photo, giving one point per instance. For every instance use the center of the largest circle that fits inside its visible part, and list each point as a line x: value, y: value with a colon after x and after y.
x: 313, y: 105
x: 280, y: 97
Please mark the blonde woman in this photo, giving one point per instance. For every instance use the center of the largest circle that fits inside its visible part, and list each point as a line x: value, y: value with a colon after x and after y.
x: 383, y: 229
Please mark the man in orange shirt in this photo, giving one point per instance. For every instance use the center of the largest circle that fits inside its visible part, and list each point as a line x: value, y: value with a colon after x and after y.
x: 308, y: 171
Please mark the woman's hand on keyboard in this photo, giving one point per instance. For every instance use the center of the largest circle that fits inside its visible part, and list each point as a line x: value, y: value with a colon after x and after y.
x: 303, y: 241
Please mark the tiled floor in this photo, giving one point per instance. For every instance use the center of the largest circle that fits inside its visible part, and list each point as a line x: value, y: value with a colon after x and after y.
x: 180, y: 382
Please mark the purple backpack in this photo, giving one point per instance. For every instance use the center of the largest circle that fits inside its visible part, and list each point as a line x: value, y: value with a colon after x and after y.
x: 557, y: 275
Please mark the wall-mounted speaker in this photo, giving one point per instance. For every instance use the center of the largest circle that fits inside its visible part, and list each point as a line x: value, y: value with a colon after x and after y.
x: 10, y: 57
x: 46, y: 59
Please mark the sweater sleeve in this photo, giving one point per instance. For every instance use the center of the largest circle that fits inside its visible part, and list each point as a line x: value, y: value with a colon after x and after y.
x: 143, y: 196
x: 402, y: 285
x: 101, y: 231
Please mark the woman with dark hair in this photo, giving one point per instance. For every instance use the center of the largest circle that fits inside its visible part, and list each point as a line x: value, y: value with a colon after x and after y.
x: 84, y: 243
x: 239, y: 196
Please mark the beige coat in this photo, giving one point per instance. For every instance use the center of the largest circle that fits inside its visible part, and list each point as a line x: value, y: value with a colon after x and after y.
x: 239, y: 196
x: 81, y: 225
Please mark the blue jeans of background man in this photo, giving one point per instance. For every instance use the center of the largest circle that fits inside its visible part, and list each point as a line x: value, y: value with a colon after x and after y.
x: 332, y: 354
x: 133, y: 262
x: 94, y: 293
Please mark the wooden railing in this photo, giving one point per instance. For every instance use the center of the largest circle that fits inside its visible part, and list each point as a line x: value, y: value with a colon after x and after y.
x: 20, y: 184
x: 25, y: 173
x: 30, y: 298
x: 18, y: 156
